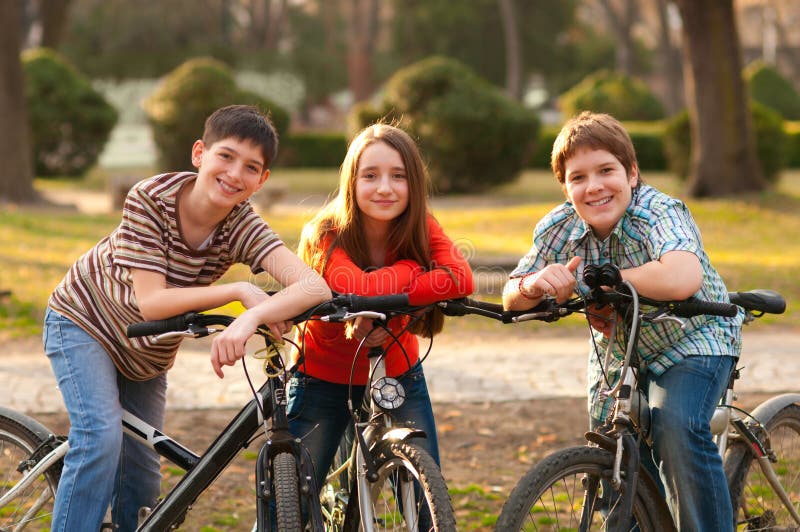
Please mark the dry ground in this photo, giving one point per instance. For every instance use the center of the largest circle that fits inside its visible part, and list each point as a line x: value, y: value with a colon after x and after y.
x: 485, y: 449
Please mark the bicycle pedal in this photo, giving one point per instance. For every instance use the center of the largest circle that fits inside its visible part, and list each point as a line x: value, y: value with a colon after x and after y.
x: 601, y: 440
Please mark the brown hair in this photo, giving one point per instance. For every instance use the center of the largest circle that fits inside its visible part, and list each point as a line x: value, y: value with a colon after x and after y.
x: 408, y: 237
x: 243, y: 122
x: 595, y: 131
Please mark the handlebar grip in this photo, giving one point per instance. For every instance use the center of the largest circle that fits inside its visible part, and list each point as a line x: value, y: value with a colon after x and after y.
x: 695, y: 307
x: 356, y: 303
x: 465, y: 305
x: 148, y: 328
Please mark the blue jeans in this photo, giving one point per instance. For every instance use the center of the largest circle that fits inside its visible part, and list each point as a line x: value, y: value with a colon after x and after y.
x: 318, y: 414
x: 101, y: 467
x: 682, y: 401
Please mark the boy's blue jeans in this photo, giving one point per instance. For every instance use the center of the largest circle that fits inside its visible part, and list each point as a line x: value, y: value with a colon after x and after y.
x: 101, y: 466
x: 318, y: 414
x: 682, y: 401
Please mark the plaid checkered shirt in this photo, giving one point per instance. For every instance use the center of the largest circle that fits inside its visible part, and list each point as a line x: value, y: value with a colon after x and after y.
x: 652, y: 225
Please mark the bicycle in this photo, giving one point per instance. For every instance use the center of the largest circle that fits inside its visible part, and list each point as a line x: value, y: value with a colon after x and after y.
x: 381, y: 479
x: 601, y: 485
x: 31, y: 456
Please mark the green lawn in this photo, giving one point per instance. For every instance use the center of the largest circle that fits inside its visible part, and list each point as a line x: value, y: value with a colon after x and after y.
x: 754, y: 242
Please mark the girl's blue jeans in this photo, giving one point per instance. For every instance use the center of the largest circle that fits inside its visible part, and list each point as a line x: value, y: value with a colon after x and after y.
x: 318, y: 414
x: 684, y: 456
x: 101, y: 467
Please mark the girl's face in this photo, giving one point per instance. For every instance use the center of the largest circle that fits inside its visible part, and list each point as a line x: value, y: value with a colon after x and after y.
x: 381, y: 183
x: 229, y: 171
x: 596, y: 184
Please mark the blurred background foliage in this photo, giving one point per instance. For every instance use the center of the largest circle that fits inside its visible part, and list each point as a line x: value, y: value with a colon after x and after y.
x: 323, y: 67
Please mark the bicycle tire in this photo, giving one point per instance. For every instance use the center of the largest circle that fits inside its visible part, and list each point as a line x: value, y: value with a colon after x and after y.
x: 287, y: 493
x: 401, y: 462
x: 20, y: 436
x: 552, y: 495
x: 756, y: 505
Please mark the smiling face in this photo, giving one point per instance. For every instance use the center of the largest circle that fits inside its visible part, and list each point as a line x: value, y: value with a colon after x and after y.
x: 596, y: 184
x: 229, y: 171
x: 381, y: 187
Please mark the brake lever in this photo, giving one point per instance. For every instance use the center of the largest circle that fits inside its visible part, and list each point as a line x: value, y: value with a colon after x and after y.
x: 193, y: 331
x: 663, y: 316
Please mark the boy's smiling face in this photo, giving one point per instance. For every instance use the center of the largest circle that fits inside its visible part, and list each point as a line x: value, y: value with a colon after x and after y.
x: 230, y: 170
x: 597, y: 185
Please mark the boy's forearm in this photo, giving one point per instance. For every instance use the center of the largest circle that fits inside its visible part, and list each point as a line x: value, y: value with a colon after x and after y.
x: 169, y: 302
x: 675, y: 276
x: 514, y: 300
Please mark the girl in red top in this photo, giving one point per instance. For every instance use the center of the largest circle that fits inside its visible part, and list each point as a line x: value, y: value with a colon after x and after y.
x: 376, y: 237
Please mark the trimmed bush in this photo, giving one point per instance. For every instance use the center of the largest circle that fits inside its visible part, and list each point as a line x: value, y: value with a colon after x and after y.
x: 624, y: 97
x: 320, y: 150
x: 768, y: 87
x: 70, y: 121
x: 473, y: 136
x: 792, y: 130
x: 771, y: 142
x: 177, y: 109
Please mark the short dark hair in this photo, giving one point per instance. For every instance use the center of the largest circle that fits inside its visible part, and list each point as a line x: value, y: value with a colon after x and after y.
x: 243, y: 122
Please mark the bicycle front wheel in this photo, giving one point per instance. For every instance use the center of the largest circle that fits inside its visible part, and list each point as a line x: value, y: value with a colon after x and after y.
x: 410, y: 493
x: 287, y: 493
x: 20, y: 437
x: 571, y: 490
x: 755, y: 502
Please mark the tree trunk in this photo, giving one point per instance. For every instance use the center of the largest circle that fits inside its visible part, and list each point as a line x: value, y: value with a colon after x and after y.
x: 622, y: 24
x: 513, y: 49
x: 362, y: 33
x: 669, y: 61
x: 16, y: 172
x: 53, y: 14
x: 724, y: 158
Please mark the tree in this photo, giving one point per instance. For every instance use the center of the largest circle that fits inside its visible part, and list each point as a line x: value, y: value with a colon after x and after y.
x: 724, y: 159
x: 508, y: 15
x: 16, y: 172
x: 362, y: 33
x: 669, y: 61
x: 621, y: 16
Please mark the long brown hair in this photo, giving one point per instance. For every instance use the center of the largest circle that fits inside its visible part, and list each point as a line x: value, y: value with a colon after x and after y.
x: 341, y: 217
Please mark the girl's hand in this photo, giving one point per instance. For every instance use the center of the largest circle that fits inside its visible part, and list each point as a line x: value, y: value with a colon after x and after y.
x: 601, y: 319
x: 365, y: 328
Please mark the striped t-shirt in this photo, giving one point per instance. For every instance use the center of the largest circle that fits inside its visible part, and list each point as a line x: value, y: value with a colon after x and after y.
x: 97, y: 291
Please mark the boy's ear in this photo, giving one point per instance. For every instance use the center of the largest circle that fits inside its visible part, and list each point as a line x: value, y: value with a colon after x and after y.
x: 633, y: 179
x: 197, y: 153
x: 264, y: 177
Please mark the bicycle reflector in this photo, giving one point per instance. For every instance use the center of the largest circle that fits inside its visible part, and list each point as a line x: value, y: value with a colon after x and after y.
x: 388, y: 393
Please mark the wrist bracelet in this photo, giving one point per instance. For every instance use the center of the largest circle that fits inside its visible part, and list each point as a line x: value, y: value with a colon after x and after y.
x: 520, y: 287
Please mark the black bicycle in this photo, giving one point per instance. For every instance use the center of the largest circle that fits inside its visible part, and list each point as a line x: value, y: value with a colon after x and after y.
x: 31, y: 456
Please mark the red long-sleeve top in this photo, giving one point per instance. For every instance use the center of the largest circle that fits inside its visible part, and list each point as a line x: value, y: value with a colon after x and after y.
x: 328, y: 352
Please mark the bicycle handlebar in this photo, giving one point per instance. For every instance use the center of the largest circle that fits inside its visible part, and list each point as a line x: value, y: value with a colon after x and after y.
x: 548, y: 310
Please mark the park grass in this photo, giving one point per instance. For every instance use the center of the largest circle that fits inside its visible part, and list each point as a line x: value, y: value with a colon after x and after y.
x: 753, y: 241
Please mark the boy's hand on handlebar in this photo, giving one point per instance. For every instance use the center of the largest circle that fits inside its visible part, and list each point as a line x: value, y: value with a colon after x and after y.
x: 230, y: 345
x: 555, y: 280
x: 250, y: 295
x: 601, y: 318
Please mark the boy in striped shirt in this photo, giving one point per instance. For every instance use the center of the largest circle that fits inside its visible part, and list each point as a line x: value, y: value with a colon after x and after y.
x: 179, y: 233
